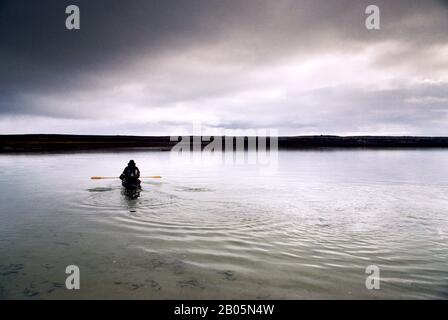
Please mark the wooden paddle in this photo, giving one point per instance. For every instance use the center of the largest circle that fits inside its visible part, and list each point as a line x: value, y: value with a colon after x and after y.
x: 150, y: 177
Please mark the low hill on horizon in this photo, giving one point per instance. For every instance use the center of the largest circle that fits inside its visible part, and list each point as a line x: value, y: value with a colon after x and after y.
x: 67, y: 142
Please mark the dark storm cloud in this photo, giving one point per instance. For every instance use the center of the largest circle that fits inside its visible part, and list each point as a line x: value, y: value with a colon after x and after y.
x: 36, y: 48
x: 199, y: 56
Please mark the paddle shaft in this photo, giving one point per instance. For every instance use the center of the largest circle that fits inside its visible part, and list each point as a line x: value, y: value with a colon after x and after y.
x: 150, y: 177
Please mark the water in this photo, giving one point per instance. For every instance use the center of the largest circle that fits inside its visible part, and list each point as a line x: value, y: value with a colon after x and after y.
x: 307, y: 229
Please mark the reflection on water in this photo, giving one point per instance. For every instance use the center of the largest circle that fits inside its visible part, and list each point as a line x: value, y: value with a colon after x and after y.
x: 131, y: 194
x: 307, y: 230
x: 99, y: 189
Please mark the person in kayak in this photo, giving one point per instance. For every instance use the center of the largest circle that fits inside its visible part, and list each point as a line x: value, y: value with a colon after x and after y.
x: 131, y: 174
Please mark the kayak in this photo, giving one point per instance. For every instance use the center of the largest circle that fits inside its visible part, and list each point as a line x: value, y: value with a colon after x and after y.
x: 131, y: 185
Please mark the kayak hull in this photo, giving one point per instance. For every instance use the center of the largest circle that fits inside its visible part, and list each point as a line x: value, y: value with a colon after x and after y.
x: 131, y: 185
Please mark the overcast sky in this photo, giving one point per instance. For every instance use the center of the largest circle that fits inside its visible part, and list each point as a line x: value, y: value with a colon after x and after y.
x: 155, y: 67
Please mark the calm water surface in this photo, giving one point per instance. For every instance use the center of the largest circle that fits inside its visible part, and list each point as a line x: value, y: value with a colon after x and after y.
x: 307, y: 229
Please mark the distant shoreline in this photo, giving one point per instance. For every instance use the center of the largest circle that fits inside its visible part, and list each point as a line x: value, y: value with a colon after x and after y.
x: 56, y: 142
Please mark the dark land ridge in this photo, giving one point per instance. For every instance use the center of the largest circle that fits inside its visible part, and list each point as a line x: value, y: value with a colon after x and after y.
x: 56, y: 142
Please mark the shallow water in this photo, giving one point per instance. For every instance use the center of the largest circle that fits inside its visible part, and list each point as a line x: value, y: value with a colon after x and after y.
x: 306, y: 229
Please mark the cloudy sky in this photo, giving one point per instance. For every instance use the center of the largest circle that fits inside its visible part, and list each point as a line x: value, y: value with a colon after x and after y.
x: 155, y: 67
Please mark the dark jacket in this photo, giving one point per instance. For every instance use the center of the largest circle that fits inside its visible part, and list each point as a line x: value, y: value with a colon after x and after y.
x: 130, y: 173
